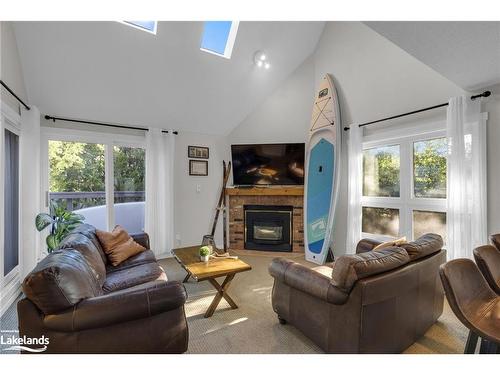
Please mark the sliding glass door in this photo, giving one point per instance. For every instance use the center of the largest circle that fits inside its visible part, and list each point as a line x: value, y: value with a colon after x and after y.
x: 11, y: 202
x: 100, y: 177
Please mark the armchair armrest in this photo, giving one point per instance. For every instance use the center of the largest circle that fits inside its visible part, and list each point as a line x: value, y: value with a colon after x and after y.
x: 366, y: 245
x: 118, y: 307
x: 306, y: 280
x: 142, y: 239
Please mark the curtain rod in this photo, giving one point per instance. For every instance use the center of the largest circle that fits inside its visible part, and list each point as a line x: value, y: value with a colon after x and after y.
x: 14, y: 94
x: 484, y: 95
x: 53, y: 118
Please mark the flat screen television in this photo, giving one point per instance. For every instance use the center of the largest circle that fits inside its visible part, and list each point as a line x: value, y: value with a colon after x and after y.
x: 268, y: 164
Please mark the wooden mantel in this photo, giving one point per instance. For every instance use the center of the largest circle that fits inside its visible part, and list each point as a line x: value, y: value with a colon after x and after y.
x: 268, y: 190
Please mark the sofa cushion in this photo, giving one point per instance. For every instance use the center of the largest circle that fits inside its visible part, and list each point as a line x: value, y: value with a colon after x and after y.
x: 135, y: 260
x: 427, y: 244
x: 60, y: 280
x: 87, y: 248
x: 350, y: 268
x: 89, y: 231
x: 118, y: 245
x: 132, y: 276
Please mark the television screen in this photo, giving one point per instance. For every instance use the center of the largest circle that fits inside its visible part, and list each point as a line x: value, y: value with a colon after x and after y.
x: 268, y: 164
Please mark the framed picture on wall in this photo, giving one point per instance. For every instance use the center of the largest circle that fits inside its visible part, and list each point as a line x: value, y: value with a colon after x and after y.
x: 198, y: 152
x: 198, y: 168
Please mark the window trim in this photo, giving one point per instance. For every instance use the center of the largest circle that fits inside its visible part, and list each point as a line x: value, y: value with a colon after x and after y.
x: 406, y: 202
x: 131, y: 24
x: 10, y: 284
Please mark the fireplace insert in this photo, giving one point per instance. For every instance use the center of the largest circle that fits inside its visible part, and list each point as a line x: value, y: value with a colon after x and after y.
x: 268, y: 227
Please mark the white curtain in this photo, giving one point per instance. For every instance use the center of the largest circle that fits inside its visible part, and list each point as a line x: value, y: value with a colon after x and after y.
x: 159, y: 222
x: 467, y: 207
x: 354, y: 180
x: 32, y: 243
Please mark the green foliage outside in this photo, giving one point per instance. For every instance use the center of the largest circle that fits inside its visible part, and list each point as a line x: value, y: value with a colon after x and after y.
x: 381, y: 172
x: 80, y: 167
x: 429, y: 164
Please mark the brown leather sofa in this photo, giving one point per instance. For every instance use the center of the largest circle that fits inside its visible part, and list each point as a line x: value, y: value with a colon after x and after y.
x: 83, y: 304
x: 373, y: 302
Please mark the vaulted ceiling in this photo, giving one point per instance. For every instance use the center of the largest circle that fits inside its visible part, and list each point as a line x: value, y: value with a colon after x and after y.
x: 107, y: 71
x: 467, y: 53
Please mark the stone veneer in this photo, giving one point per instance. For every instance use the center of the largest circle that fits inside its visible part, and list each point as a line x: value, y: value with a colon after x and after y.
x: 236, y: 220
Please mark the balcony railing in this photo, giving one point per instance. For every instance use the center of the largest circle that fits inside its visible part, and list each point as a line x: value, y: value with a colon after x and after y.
x: 84, y: 199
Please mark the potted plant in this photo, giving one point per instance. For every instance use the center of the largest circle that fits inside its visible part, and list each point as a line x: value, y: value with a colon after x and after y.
x: 205, y: 253
x: 62, y: 221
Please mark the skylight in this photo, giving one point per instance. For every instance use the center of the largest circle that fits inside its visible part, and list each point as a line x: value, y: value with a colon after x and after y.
x: 218, y: 37
x: 149, y: 26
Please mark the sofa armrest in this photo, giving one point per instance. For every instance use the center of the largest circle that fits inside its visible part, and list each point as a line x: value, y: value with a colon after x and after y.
x: 306, y: 280
x: 366, y: 245
x: 142, y: 239
x: 118, y: 307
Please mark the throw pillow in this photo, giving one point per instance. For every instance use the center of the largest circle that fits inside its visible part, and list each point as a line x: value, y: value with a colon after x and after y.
x: 384, y: 245
x: 118, y: 245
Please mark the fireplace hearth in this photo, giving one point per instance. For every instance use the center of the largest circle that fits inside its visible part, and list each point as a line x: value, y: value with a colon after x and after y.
x: 268, y: 227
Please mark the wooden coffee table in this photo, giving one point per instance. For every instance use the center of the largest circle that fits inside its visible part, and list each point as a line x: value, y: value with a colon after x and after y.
x: 189, y: 259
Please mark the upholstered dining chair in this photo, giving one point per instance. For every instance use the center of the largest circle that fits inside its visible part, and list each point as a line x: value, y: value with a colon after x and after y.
x: 488, y: 261
x: 474, y: 303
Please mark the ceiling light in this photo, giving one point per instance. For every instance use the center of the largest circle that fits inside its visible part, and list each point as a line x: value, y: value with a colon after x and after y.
x: 260, y: 59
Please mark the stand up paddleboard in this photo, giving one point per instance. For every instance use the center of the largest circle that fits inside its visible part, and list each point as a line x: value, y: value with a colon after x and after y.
x: 323, y: 161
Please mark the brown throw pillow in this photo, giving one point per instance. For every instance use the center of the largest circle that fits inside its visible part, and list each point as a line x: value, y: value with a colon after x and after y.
x: 118, y: 245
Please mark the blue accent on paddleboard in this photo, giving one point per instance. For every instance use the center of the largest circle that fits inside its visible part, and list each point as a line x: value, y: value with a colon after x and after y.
x: 319, y: 192
x: 316, y: 247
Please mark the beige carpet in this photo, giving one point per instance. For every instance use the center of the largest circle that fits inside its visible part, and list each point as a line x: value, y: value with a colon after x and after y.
x: 254, y: 327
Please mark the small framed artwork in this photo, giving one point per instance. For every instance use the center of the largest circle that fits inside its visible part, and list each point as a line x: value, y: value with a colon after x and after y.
x: 198, y: 168
x: 198, y: 152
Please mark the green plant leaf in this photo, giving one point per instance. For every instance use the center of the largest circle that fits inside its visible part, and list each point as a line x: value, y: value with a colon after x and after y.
x: 42, y: 221
x: 52, y: 242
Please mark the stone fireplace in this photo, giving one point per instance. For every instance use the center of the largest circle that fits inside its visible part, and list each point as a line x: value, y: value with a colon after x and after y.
x: 266, y: 218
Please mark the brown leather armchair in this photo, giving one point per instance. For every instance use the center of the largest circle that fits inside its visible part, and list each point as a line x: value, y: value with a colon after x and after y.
x: 378, y: 301
x: 83, y: 304
x: 474, y: 303
x: 487, y: 258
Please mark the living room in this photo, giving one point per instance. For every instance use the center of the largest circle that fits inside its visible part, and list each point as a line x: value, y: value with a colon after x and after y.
x: 276, y: 186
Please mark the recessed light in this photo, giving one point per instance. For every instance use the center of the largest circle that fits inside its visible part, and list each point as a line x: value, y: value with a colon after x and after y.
x: 260, y: 59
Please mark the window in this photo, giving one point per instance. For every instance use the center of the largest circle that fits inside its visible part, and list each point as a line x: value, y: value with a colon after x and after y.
x: 11, y: 202
x: 149, y: 26
x: 129, y: 195
x: 101, y: 177
x: 404, y: 185
x: 77, y: 180
x: 218, y: 37
x: 381, y: 171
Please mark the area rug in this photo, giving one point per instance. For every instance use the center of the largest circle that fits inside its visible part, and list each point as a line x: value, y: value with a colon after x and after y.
x: 254, y: 327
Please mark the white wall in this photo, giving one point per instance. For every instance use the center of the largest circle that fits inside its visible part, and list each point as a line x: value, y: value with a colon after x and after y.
x: 374, y: 79
x: 283, y: 116
x: 194, y: 210
x: 10, y: 67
